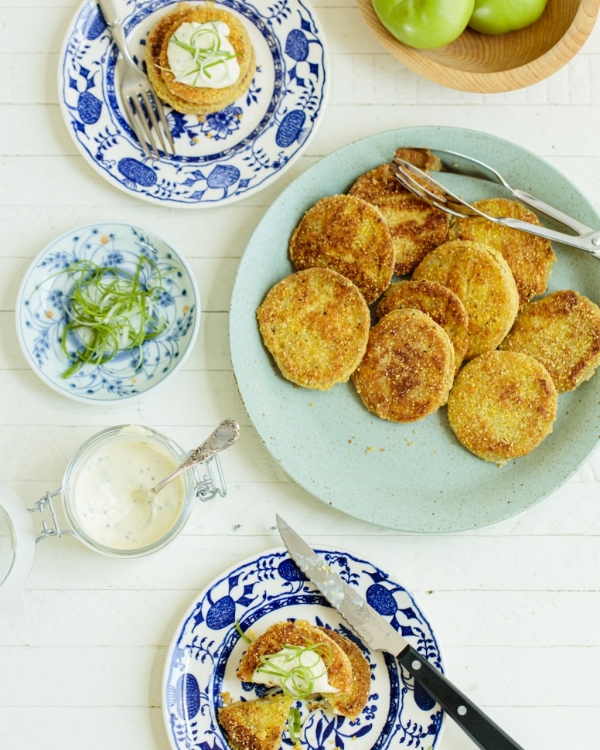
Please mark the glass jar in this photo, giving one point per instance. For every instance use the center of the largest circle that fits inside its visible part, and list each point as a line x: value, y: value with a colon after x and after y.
x: 17, y: 535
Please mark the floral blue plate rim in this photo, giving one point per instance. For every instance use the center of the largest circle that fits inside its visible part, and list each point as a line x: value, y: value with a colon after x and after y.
x: 40, y: 314
x: 232, y: 153
x: 265, y: 588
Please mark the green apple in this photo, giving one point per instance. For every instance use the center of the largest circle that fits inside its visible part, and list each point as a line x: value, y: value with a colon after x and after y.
x: 424, y: 23
x: 501, y: 16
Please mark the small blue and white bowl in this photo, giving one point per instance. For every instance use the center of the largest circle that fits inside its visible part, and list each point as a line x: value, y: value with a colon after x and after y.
x: 41, y: 313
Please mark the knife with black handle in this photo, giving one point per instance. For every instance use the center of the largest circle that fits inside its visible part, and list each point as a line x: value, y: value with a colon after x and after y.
x: 379, y: 635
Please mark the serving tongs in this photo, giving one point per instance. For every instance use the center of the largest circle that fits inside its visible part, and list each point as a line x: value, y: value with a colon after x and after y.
x: 422, y: 184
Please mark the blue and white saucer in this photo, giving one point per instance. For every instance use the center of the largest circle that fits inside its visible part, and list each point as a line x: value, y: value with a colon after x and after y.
x: 231, y: 153
x: 206, y: 650
x: 42, y: 313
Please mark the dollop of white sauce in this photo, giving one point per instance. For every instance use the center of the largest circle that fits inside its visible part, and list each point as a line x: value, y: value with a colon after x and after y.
x: 288, y: 659
x: 209, y: 70
x: 112, y: 493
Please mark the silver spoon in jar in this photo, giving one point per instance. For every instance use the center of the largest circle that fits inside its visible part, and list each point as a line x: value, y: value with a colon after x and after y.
x: 222, y: 438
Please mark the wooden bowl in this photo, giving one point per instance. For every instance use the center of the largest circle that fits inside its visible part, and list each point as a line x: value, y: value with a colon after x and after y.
x: 490, y: 64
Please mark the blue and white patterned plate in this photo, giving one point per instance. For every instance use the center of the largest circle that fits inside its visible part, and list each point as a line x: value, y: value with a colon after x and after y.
x: 42, y: 316
x: 233, y: 152
x: 206, y: 650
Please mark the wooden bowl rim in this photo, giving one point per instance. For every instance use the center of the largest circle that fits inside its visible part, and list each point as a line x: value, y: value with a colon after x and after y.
x: 499, y: 81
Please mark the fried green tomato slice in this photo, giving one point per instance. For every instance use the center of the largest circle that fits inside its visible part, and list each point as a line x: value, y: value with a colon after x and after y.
x: 297, y: 633
x: 315, y: 323
x: 191, y: 99
x: 530, y: 258
x: 562, y: 331
x: 416, y: 226
x: 435, y: 300
x: 408, y: 368
x: 349, y: 236
x: 502, y: 405
x: 482, y: 280
x: 352, y: 702
x: 255, y: 725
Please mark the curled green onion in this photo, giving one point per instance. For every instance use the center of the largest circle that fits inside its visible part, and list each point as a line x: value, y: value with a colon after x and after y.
x: 110, y: 311
x: 203, y: 58
x: 294, y: 723
x: 299, y: 681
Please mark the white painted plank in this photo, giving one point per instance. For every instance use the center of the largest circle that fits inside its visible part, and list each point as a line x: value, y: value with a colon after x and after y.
x: 504, y: 563
x: 210, y: 397
x: 41, y: 452
x: 88, y: 677
x: 368, y: 78
x: 83, y: 677
x: 92, y: 728
x: 15, y: 30
x: 38, y: 130
x: 81, y: 186
x: 148, y: 617
x: 536, y: 728
x: 258, y: 489
x: 223, y: 233
x: 69, y: 181
x: 28, y: 78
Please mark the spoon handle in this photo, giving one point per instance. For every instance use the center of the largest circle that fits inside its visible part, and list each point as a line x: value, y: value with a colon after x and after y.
x: 224, y: 436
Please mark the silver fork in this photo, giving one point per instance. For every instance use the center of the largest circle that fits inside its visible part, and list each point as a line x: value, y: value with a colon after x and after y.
x: 467, y: 166
x: 426, y: 187
x: 139, y: 98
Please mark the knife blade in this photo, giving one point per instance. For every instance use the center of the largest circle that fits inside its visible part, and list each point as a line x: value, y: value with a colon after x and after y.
x: 376, y: 632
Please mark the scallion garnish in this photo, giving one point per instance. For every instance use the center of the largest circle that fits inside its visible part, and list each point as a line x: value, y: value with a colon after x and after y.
x: 294, y: 723
x: 241, y: 632
x: 111, y: 310
x: 297, y: 681
x: 204, y: 57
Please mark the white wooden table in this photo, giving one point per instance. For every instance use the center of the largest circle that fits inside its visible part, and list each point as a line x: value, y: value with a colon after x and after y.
x: 516, y: 606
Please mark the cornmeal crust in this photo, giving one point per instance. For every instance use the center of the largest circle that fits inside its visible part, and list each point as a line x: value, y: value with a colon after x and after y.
x: 482, y: 280
x: 435, y: 300
x: 530, y: 258
x: 352, y: 703
x: 502, y: 405
x: 316, y: 324
x: 416, y: 226
x: 408, y: 368
x: 297, y: 633
x: 350, y: 236
x: 562, y: 331
x: 255, y: 725
x: 191, y: 99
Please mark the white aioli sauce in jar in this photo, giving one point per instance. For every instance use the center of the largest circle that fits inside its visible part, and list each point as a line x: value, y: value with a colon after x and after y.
x: 112, y: 493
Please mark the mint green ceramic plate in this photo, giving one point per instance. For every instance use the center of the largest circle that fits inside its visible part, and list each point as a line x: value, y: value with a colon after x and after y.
x: 412, y: 477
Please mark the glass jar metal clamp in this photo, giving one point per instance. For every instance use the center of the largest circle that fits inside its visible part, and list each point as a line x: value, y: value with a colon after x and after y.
x: 203, y: 480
